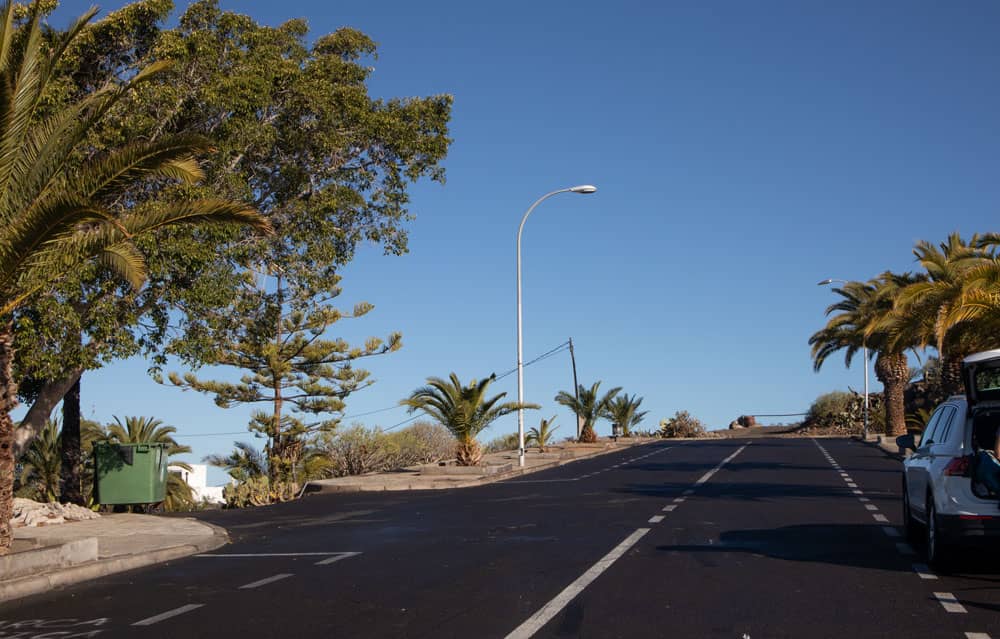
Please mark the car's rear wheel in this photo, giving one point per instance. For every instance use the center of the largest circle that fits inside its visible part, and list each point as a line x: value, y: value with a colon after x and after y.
x: 937, y: 549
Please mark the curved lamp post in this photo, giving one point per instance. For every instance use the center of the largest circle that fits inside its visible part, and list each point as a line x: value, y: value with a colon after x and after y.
x: 864, y: 349
x: 583, y: 188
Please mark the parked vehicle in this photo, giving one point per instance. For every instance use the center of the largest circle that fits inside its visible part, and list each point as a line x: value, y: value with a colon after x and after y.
x: 945, y: 500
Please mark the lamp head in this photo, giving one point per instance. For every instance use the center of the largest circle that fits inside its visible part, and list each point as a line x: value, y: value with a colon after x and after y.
x: 824, y: 282
x: 584, y: 188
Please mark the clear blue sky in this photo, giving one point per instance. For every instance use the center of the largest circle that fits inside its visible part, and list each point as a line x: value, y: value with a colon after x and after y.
x: 742, y: 151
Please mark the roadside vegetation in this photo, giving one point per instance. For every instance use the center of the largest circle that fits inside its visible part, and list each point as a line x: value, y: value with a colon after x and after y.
x: 951, y: 309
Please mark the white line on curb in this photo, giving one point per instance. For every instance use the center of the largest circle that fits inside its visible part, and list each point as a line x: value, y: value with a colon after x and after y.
x: 949, y: 602
x: 535, y: 622
x: 264, y: 582
x: 167, y: 615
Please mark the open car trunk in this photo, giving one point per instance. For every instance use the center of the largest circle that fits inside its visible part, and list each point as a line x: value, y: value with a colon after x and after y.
x: 981, y: 377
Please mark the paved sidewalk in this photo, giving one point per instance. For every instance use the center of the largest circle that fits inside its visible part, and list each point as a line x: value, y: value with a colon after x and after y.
x: 53, y: 556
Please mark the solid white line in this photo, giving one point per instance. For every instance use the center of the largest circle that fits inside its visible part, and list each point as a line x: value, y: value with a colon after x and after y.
x: 168, y: 614
x: 277, y: 554
x: 655, y: 519
x: 264, y: 582
x: 905, y: 549
x: 871, y: 507
x: 882, y: 519
x: 535, y: 622
x: 924, y: 571
x: 890, y: 531
x: 336, y: 558
x: 669, y: 508
x: 949, y: 602
x: 976, y: 635
x: 704, y: 478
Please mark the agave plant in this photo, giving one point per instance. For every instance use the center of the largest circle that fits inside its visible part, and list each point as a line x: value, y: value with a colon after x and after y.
x: 542, y: 434
x: 463, y: 410
x: 57, y: 212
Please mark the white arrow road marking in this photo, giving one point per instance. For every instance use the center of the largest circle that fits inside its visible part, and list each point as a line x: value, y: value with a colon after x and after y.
x: 149, y: 621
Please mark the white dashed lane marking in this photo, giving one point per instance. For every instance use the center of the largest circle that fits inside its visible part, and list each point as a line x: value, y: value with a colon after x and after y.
x: 871, y: 507
x: 880, y: 518
x: 976, y: 635
x: 679, y: 500
x: 655, y: 519
x: 669, y: 508
x: 268, y: 580
x: 149, y: 621
x: 949, y: 602
x: 924, y: 571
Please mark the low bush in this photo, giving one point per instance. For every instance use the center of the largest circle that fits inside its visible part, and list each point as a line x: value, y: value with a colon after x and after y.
x: 682, y: 424
x: 358, y: 450
x: 502, y: 443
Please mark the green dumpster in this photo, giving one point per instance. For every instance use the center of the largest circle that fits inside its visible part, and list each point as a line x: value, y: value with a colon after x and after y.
x: 130, y: 473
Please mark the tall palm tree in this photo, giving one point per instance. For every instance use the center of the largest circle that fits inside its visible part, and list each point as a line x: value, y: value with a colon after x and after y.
x: 927, y: 307
x: 541, y: 435
x: 57, y: 211
x: 463, y: 410
x: 622, y: 410
x: 42, y: 461
x: 864, y: 317
x: 589, y: 406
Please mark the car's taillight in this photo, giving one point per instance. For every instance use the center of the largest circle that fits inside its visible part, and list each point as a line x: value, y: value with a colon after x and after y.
x: 959, y: 466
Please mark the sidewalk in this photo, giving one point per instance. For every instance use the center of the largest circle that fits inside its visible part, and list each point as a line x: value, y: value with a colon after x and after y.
x: 49, y: 557
x: 496, y: 467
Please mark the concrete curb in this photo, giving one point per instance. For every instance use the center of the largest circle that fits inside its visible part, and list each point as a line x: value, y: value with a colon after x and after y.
x: 38, y: 584
x: 427, y: 481
x: 892, y: 452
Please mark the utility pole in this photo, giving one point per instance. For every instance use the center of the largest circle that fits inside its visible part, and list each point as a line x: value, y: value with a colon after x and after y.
x: 576, y: 386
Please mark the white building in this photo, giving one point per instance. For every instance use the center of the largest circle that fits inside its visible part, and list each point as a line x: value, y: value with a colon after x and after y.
x: 197, y: 479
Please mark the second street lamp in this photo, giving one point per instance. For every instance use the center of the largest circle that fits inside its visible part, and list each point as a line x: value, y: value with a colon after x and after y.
x: 583, y: 188
x: 864, y: 353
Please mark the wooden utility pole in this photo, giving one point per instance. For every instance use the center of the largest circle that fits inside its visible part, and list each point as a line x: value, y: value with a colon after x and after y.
x: 576, y: 386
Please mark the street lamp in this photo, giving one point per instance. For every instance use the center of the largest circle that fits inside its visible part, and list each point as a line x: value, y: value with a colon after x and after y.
x: 864, y: 348
x: 583, y: 188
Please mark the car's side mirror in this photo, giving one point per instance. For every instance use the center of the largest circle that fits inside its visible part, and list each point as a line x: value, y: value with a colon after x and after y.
x: 908, y: 441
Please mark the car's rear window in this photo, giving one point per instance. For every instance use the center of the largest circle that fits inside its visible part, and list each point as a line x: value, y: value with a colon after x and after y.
x: 988, y: 384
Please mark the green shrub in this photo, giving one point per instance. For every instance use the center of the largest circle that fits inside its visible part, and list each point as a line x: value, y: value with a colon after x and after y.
x: 831, y: 405
x: 502, y: 443
x: 682, y: 424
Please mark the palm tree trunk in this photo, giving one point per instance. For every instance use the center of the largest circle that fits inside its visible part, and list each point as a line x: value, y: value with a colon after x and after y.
x: 587, y: 435
x: 8, y: 400
x: 894, y: 373
x: 70, y: 488
x: 951, y: 375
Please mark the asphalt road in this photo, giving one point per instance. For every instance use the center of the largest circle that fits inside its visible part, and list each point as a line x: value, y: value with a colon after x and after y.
x: 752, y: 539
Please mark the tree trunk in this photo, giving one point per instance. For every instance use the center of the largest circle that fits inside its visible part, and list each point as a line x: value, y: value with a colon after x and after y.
x: 70, y: 488
x: 468, y: 452
x: 41, y: 409
x: 8, y: 400
x: 951, y: 376
x: 894, y: 373
x: 587, y: 435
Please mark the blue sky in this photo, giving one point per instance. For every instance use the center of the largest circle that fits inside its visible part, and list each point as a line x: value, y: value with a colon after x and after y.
x: 742, y: 152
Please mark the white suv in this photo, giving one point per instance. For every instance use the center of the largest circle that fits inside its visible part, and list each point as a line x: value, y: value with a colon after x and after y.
x: 940, y: 496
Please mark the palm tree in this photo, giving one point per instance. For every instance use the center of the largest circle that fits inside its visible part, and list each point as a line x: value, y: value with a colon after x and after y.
x: 622, y: 411
x: 864, y: 317
x: 540, y: 435
x: 463, y: 410
x: 42, y: 462
x: 57, y: 212
x: 927, y: 307
x: 588, y: 406
x: 244, y: 463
